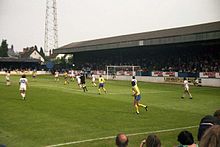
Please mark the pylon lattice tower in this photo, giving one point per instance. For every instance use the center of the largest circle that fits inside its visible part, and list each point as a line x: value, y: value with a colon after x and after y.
x: 51, y: 30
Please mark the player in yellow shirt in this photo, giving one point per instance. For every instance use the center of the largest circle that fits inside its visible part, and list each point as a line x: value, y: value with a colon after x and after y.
x: 101, y: 84
x: 137, y: 97
x: 66, y: 78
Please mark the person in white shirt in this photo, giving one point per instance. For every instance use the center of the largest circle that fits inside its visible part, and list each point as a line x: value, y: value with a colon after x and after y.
x: 93, y: 80
x: 78, y: 81
x: 23, y: 82
x: 7, y: 77
x: 72, y: 75
x: 56, y: 76
x: 186, y: 88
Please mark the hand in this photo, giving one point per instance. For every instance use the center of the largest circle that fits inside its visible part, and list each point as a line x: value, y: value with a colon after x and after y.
x: 142, y: 143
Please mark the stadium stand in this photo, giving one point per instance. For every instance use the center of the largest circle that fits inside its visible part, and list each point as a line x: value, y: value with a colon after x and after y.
x: 186, y: 49
x: 11, y: 63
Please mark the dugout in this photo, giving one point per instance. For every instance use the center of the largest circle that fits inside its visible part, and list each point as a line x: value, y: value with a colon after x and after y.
x: 156, y: 50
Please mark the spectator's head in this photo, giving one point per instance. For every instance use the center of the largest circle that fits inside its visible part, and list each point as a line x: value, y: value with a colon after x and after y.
x: 152, y: 141
x: 211, y: 138
x: 121, y: 140
x: 185, y: 138
x: 207, y: 122
x: 217, y: 114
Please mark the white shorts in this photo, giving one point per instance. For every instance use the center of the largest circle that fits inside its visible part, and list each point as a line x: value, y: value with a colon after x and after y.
x: 23, y: 88
x: 78, y: 80
x: 187, y: 88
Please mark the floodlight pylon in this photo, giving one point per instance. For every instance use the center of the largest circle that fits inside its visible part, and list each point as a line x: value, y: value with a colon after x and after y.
x: 51, y: 28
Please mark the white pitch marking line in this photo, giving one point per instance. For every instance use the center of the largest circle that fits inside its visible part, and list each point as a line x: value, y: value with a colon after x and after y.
x: 110, y: 137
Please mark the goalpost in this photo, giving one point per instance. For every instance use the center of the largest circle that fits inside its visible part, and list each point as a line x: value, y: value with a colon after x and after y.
x: 117, y: 70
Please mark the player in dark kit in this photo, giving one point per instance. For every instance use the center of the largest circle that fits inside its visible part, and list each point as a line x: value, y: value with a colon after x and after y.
x: 83, y: 82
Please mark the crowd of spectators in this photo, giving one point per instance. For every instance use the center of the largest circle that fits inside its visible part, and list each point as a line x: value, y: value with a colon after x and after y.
x: 208, y: 135
x: 174, y: 59
x: 179, y: 59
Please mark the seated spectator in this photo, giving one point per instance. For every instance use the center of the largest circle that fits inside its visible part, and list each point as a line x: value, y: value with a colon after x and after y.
x: 186, y: 139
x: 207, y: 122
x: 151, y: 141
x: 217, y: 115
x: 121, y: 140
x: 211, y: 138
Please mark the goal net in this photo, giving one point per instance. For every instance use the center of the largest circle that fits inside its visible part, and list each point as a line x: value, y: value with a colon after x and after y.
x: 113, y: 71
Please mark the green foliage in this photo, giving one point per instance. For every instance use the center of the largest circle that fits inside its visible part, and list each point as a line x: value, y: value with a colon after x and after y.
x: 4, y: 49
x: 64, y: 62
x: 42, y: 52
x: 56, y: 113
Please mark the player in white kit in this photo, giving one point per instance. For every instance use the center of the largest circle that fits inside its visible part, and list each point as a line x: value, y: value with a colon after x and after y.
x: 186, y: 89
x: 93, y: 80
x: 23, y: 82
x: 78, y: 81
x: 72, y: 75
x: 7, y: 77
x: 56, y: 76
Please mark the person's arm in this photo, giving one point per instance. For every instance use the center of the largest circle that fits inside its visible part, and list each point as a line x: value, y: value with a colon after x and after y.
x: 142, y: 143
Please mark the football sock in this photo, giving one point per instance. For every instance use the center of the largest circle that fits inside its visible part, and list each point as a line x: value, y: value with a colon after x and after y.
x: 136, y: 106
x: 190, y: 95
x: 99, y: 91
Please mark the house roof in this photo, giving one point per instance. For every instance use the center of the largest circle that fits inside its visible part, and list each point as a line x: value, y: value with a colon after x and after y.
x: 26, y: 54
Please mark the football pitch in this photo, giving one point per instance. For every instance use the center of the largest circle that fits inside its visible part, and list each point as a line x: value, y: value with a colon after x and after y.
x: 55, y: 114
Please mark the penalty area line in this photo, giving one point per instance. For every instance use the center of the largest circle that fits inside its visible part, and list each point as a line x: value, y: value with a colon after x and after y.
x: 111, y: 137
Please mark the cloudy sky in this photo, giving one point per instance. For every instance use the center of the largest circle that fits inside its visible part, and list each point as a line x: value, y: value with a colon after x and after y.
x: 22, y: 22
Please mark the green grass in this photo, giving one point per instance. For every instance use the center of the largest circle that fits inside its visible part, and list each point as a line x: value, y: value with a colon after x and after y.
x: 56, y: 113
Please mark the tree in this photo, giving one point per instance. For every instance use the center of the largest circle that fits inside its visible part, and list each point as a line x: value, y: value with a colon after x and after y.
x: 42, y: 52
x: 35, y: 47
x: 4, y: 49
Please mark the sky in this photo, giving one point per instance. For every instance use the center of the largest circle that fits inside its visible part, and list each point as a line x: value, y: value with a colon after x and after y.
x: 22, y: 22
